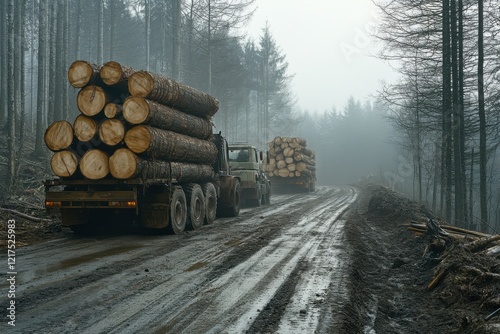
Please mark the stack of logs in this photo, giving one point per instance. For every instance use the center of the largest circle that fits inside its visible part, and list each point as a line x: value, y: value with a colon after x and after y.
x: 133, y: 124
x: 289, y: 157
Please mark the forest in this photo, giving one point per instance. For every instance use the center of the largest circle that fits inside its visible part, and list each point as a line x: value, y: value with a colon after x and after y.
x: 434, y: 134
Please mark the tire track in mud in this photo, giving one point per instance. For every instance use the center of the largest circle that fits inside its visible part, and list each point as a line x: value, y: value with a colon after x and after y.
x: 210, y: 280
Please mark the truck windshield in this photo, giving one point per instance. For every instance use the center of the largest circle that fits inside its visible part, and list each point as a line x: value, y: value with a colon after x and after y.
x: 239, y: 155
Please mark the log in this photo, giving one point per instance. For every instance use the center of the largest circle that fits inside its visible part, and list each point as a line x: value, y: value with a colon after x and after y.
x: 82, y: 73
x: 280, y: 164
x: 91, y: 100
x: 308, y: 152
x: 283, y: 172
x: 292, y: 168
x: 113, y: 73
x: 289, y: 160
x: 124, y: 164
x: 481, y: 244
x: 112, y: 131
x: 58, y: 136
x: 113, y: 110
x: 173, y: 94
x: 24, y: 215
x: 288, y: 152
x: 94, y: 164
x: 85, y: 128
x: 277, y: 141
x: 167, y: 145
x: 64, y: 163
x: 137, y: 110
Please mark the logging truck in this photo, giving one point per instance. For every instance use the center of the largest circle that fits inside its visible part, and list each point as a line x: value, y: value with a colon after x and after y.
x: 292, y: 165
x: 186, y: 199
x: 247, y: 164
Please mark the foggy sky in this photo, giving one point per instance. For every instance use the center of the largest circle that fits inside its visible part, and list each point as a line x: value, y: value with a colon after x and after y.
x: 329, y: 48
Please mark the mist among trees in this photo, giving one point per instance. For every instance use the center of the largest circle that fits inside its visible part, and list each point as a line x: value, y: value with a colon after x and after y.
x: 433, y: 135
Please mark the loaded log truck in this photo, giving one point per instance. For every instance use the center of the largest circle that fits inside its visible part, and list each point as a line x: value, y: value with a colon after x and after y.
x: 142, y: 150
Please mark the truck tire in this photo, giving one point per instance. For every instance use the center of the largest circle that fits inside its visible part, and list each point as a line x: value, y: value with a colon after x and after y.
x: 257, y: 201
x: 195, y: 206
x: 178, y: 212
x: 267, y: 197
x: 234, y: 210
x: 210, y: 202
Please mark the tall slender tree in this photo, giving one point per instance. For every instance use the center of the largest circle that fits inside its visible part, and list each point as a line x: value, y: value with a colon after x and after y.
x: 11, y: 118
x: 482, y: 118
x: 42, y: 74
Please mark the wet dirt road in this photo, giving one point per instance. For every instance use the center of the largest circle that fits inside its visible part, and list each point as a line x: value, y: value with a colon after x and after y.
x: 278, y: 268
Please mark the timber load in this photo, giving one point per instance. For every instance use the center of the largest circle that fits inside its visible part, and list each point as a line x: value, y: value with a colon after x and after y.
x: 133, y: 124
x: 290, y: 158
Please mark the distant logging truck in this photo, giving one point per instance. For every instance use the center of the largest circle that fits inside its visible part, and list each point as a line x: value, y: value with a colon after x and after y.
x: 291, y: 166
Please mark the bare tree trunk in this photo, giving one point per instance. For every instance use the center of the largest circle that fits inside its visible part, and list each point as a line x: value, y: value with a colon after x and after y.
x: 482, y: 122
x: 11, y: 118
x: 22, y: 46
x: 42, y: 72
x: 176, y: 41
x: 77, y: 36
x: 461, y: 109
x: 112, y: 23
x: 3, y: 66
x: 446, y: 116
x: 100, y: 32
x: 147, y: 8
x: 457, y: 163
x: 52, y: 38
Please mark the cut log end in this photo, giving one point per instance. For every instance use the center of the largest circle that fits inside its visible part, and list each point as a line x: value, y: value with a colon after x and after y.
x: 85, y: 128
x: 112, y: 110
x: 64, y: 163
x: 138, y: 139
x: 111, y: 73
x: 59, y: 136
x: 123, y: 164
x: 111, y: 131
x: 91, y: 100
x: 135, y: 110
x: 140, y: 84
x: 94, y: 164
x: 80, y: 73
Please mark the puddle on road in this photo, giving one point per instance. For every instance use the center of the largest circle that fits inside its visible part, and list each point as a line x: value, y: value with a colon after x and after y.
x: 90, y: 257
x: 196, y: 266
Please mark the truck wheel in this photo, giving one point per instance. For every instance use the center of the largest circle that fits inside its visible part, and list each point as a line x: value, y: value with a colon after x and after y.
x: 234, y: 210
x: 258, y: 200
x: 267, y: 197
x: 210, y: 202
x: 178, y: 212
x: 196, y: 205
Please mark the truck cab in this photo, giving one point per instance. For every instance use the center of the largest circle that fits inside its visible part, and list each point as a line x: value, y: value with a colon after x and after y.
x: 246, y: 163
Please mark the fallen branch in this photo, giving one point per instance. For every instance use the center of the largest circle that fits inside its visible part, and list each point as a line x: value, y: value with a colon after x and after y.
x: 480, y: 244
x: 491, y: 315
x: 25, y: 216
x: 437, y: 279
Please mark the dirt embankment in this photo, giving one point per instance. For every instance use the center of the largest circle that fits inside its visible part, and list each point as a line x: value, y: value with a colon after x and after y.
x: 392, y: 268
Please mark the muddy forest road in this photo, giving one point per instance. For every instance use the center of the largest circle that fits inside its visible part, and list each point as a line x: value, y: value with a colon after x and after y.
x: 273, y: 269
